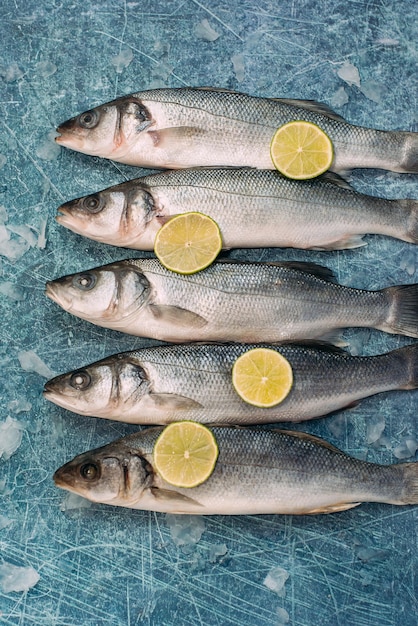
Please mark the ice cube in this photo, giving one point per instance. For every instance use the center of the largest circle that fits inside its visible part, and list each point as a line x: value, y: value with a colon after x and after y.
x: 276, y: 579
x: 14, y: 578
x: 4, y: 522
x: 20, y: 405
x: 239, y: 66
x: 11, y: 432
x: 11, y: 291
x: 349, y: 74
x: 122, y: 60
x: 45, y: 69
x: 31, y: 362
x: 339, y: 98
x: 185, y: 530
x: 205, y: 31
x: 406, y: 448
x: 216, y: 551
x: 375, y: 427
x: 48, y: 149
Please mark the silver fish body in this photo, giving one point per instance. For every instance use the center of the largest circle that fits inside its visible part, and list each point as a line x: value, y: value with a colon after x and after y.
x: 253, y: 208
x: 187, y: 127
x: 257, y: 471
x: 194, y: 382
x: 246, y: 302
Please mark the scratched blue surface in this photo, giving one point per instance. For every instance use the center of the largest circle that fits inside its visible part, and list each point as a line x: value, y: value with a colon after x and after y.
x: 116, y: 567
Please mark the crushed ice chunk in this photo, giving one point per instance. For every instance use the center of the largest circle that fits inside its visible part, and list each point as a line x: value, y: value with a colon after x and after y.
x: 11, y: 432
x: 3, y: 160
x: 41, y: 243
x: 20, y: 405
x: 48, y: 149
x: 204, y: 30
x: 275, y: 580
x: 12, y: 291
x: 349, y: 74
x: 387, y: 41
x: 11, y: 73
x: 239, y: 66
x: 12, y: 249
x: 282, y: 616
x: 14, y: 578
x: 74, y: 501
x: 373, y: 90
x: 375, y: 427
x: 122, y: 60
x: 367, y: 553
x: 339, y: 98
x: 24, y: 231
x: 185, y: 530
x: 406, y: 448
x: 407, y: 261
x: 217, y: 551
x: 44, y: 69
x: 337, y: 425
x: 31, y: 362
x: 5, y: 522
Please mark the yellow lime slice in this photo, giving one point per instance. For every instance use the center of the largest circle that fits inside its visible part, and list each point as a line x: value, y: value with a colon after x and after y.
x: 262, y: 377
x: 301, y: 150
x: 188, y: 243
x: 185, y: 454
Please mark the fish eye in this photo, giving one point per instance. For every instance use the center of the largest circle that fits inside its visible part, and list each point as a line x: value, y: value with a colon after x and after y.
x: 80, y: 380
x: 93, y: 203
x: 85, y: 282
x: 89, y: 471
x: 89, y: 119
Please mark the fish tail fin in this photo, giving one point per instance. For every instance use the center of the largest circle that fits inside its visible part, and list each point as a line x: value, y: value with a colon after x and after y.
x: 410, y: 211
x: 404, y: 362
x: 409, y: 491
x: 403, y: 310
x: 409, y: 155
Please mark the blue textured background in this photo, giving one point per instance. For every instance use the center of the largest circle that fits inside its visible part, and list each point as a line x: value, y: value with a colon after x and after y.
x: 118, y: 567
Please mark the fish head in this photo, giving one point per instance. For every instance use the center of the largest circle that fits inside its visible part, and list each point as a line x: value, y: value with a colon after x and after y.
x: 102, y: 389
x: 119, y: 216
x: 108, y: 130
x: 107, y: 295
x: 113, y: 474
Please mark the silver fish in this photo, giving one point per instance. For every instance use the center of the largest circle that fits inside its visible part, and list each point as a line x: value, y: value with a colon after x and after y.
x: 187, y: 127
x: 257, y: 471
x: 246, y: 302
x: 194, y: 382
x: 253, y: 208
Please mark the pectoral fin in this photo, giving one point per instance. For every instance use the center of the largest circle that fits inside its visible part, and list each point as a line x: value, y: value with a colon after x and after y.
x: 332, y: 508
x: 183, y: 503
x: 176, y: 316
x: 173, y: 402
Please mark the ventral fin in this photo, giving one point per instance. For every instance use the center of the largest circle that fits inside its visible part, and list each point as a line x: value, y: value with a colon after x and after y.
x: 176, y: 316
x: 333, y: 508
x: 175, y: 497
x: 345, y: 243
x: 173, y: 402
x: 314, y: 106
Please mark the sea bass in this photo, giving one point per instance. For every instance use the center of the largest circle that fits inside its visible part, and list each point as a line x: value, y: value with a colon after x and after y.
x: 187, y: 127
x: 253, y: 208
x: 230, y: 301
x: 257, y: 471
x: 194, y: 382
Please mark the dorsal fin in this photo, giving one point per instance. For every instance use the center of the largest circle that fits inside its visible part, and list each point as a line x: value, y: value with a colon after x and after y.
x: 314, y: 106
x: 320, y: 271
x: 313, y: 439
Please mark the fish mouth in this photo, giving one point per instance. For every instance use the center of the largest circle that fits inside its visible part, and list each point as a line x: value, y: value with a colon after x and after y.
x: 52, y: 292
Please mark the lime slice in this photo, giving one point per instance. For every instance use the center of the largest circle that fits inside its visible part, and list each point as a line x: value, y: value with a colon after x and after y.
x: 188, y: 243
x: 262, y: 377
x: 185, y: 454
x: 301, y: 150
